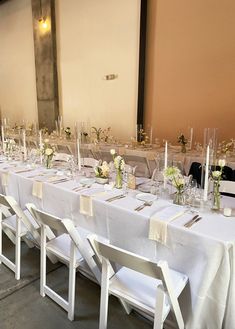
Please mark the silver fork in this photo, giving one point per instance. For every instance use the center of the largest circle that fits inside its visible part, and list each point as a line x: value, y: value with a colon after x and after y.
x: 145, y: 204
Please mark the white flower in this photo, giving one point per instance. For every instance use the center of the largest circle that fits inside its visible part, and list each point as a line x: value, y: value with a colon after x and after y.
x: 171, y: 172
x: 112, y: 151
x: 46, y: 141
x: 221, y: 162
x: 48, y: 151
x: 216, y: 174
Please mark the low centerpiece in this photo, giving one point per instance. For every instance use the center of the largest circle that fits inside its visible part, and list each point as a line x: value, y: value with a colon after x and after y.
x: 173, y: 175
x: 216, y: 176
x: 183, y: 142
x: 48, y: 152
x: 102, y: 172
x: 119, y: 165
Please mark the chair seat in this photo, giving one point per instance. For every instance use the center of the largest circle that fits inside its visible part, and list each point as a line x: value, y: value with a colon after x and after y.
x: 137, y: 287
x: 60, y: 246
x: 10, y: 222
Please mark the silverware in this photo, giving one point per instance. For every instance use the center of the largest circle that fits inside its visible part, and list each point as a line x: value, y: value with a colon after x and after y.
x: 60, y: 181
x: 23, y: 170
x: 117, y: 197
x: 195, y: 221
x: 191, y: 221
x: 145, y: 204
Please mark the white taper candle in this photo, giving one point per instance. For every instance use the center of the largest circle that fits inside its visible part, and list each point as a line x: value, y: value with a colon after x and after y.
x: 206, y: 173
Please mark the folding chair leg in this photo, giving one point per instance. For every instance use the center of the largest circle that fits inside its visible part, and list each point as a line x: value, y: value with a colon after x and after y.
x: 104, y: 295
x: 17, y: 250
x: 43, y: 262
x: 160, y: 300
x: 72, y: 283
x: 0, y: 236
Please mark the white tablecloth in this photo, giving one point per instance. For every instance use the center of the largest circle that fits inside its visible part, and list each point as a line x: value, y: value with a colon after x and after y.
x: 205, y: 252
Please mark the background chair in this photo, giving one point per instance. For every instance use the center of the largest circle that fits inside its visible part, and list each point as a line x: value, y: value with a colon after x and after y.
x: 17, y: 225
x: 150, y: 287
x: 227, y: 188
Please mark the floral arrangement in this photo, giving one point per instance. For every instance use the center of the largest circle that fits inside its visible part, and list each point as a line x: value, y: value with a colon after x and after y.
x: 174, y: 176
x: 119, y: 165
x: 216, y: 176
x: 68, y: 132
x: 183, y: 142
x: 102, y: 170
x: 10, y: 146
x: 226, y: 146
x: 48, y: 152
x: 102, y: 134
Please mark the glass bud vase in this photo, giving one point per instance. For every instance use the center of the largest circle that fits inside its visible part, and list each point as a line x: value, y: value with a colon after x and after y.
x: 183, y: 148
x: 216, y: 197
x: 48, y: 162
x: 118, y: 183
x: 179, y: 198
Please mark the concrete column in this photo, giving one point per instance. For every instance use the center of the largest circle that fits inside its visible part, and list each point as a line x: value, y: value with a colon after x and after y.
x: 45, y: 63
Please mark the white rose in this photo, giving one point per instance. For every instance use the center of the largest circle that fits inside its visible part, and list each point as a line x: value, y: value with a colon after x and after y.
x: 112, y: 151
x: 46, y: 141
x: 48, y: 151
x: 216, y: 174
x: 221, y: 162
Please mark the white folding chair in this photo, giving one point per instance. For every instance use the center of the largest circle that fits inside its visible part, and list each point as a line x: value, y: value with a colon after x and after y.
x: 64, y: 148
x: 71, y: 248
x: 62, y: 157
x: 141, y: 163
x: 89, y: 162
x: 16, y: 224
x: 227, y: 186
x: 148, y: 286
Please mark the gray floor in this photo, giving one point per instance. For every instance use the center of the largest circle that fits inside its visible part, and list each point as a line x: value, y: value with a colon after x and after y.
x: 22, y: 307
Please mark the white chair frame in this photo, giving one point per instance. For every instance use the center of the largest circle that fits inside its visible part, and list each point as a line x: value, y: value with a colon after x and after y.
x: 227, y: 186
x: 63, y: 226
x: 160, y: 271
x: 12, y: 208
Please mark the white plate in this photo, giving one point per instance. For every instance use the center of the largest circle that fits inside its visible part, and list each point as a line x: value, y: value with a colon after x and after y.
x: 145, y: 188
x: 146, y: 197
x: 87, y: 181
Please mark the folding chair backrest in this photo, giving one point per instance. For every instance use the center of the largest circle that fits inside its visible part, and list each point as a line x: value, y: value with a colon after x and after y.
x: 64, y: 148
x: 5, y: 203
x: 227, y: 186
x: 49, y: 220
x: 62, y: 157
x: 128, y: 259
x: 89, y: 162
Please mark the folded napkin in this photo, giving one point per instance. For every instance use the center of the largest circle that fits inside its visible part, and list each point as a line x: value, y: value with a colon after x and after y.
x: 86, y: 202
x: 5, y: 178
x: 37, y: 189
x: 159, y: 222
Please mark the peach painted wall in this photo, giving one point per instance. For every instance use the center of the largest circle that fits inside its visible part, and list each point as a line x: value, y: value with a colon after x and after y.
x: 190, y: 67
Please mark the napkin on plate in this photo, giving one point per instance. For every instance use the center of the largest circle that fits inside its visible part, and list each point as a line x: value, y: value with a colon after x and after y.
x: 37, y: 189
x: 5, y: 178
x: 159, y: 222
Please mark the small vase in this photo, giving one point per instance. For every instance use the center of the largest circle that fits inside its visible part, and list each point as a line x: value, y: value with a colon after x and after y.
x: 101, y: 180
x: 216, y: 197
x: 48, y: 162
x: 183, y: 148
x: 179, y: 198
x: 118, y: 183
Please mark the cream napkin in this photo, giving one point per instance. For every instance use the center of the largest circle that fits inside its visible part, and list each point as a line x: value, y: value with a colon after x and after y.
x: 159, y: 223
x: 5, y: 178
x: 37, y: 189
x: 86, y: 202
x: 86, y: 205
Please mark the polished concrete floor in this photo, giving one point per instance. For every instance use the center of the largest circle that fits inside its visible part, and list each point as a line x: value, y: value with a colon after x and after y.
x: 22, y: 307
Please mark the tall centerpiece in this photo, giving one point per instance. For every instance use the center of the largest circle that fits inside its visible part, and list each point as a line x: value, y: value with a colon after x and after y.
x: 173, y: 175
x: 48, y: 152
x: 119, y: 165
x: 183, y: 142
x: 216, y: 176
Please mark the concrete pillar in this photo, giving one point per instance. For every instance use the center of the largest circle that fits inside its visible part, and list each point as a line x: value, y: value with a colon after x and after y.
x: 45, y: 63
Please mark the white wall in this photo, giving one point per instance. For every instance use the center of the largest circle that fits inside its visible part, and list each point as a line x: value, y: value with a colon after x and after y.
x: 96, y: 38
x: 17, y: 70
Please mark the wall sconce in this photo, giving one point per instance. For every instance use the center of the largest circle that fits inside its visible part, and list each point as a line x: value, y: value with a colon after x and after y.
x: 43, y: 21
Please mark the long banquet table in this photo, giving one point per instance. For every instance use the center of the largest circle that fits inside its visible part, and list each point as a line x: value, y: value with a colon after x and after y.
x: 205, y: 252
